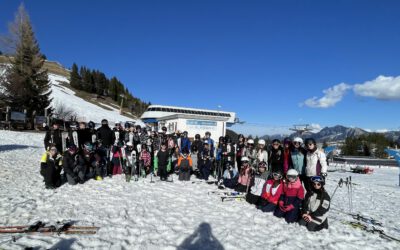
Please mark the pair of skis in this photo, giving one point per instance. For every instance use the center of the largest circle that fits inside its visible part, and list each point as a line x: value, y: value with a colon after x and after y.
x: 229, y: 195
x: 41, y: 228
x: 370, y: 229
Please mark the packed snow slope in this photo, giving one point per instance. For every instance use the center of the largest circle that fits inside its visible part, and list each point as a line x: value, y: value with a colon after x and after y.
x: 85, y: 111
x: 163, y: 215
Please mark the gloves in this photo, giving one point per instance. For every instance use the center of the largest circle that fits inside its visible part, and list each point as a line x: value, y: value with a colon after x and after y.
x: 289, y: 208
x: 281, y: 205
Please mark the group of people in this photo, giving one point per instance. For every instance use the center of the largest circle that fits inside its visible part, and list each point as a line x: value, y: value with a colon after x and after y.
x: 286, y: 178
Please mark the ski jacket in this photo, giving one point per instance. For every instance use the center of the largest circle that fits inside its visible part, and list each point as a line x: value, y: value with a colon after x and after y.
x: 262, y: 156
x: 195, y: 160
x: 228, y: 153
x: 218, y: 154
x: 230, y: 178
x: 143, y: 138
x: 299, y: 161
x: 271, y: 193
x: 184, y: 164
x: 53, y: 136
x: 163, y: 157
x: 258, y: 183
x: 50, y: 162
x: 146, y: 158
x: 276, y: 160
x: 293, y: 193
x: 198, y: 144
x: 316, y: 204
x: 106, y: 135
x: 185, y: 144
x: 316, y: 163
x: 240, y: 150
x: 245, y: 175
x: 252, y: 155
x: 84, y: 136
x: 69, y: 163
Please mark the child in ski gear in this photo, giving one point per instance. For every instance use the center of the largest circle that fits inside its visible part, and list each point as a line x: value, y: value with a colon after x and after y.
x: 271, y: 193
x: 287, y: 158
x: 184, y: 166
x: 130, y: 164
x: 162, y: 162
x: 316, y: 206
x: 100, y: 165
x: 276, y: 157
x: 316, y: 162
x: 244, y: 176
x: 145, y: 161
x: 74, y: 172
x: 298, y: 154
x: 231, y: 176
x: 50, y: 168
x: 116, y: 160
x: 262, y: 153
x: 254, y: 196
x: 251, y: 153
x: 207, y: 156
x: 291, y: 198
x: 240, y: 147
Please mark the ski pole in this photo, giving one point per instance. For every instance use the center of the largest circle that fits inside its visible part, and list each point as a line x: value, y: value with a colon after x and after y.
x: 340, y: 184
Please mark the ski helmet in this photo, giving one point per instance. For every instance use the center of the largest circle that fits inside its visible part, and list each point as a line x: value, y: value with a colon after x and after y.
x: 261, y: 142
x: 298, y: 139
x: 250, y: 141
x: 244, y: 159
x: 292, y: 172
x: 318, y: 179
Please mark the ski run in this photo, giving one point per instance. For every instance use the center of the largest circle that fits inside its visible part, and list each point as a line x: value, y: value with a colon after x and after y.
x: 181, y: 215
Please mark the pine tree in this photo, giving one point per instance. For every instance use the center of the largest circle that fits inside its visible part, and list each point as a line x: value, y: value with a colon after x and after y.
x: 76, y: 79
x: 26, y: 85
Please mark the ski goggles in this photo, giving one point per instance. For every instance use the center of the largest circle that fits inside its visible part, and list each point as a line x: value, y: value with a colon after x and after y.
x: 317, y: 179
x: 277, y: 175
x: 293, y: 177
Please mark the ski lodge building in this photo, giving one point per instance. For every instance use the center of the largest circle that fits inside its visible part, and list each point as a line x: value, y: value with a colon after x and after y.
x: 194, y: 121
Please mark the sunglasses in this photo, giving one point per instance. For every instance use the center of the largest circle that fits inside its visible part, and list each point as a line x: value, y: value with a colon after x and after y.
x: 296, y: 142
x: 276, y: 144
x: 310, y: 144
x: 317, y: 184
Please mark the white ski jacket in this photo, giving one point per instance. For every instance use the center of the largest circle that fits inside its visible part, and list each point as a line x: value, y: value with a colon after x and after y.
x: 312, y: 163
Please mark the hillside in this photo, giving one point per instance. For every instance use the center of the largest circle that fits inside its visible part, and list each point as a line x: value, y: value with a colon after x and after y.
x: 82, y: 105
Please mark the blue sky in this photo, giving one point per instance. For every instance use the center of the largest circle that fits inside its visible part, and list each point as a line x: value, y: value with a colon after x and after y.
x: 265, y: 60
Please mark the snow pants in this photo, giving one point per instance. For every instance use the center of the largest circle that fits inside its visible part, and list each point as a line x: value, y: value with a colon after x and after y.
x: 162, y: 172
x: 266, y: 206
x: 253, y: 199
x: 184, y: 175
x: 313, y: 227
x: 290, y: 216
x: 205, y: 169
x: 52, y: 178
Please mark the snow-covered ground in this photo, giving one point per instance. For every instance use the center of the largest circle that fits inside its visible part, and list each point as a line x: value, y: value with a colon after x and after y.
x: 144, y: 215
x: 86, y: 110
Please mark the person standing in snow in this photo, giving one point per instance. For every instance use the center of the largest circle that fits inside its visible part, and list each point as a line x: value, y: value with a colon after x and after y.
x: 276, y: 157
x: 198, y: 143
x: 316, y: 206
x: 185, y: 142
x: 251, y: 153
x: 106, y: 139
x: 184, y: 166
x: 83, y: 134
x: 218, y: 158
x: 316, y: 163
x: 207, y: 156
x: 271, y: 193
x: 262, y: 153
x: 162, y: 161
x: 50, y: 167
x: 53, y: 136
x: 254, y: 196
x: 291, y: 198
x: 145, y: 161
x: 287, y: 158
x: 298, y: 155
x: 240, y: 147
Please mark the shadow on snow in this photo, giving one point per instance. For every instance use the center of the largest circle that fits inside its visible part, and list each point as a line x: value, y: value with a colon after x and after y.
x: 10, y: 147
x: 202, y: 238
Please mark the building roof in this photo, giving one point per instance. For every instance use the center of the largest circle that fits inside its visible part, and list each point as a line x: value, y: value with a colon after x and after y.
x: 189, y: 116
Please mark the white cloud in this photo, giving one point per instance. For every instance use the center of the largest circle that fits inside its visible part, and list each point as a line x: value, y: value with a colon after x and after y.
x: 331, y: 96
x: 384, y: 88
x: 382, y: 130
x: 316, y: 127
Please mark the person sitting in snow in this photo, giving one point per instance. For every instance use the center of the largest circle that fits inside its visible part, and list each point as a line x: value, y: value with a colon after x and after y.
x: 291, y: 198
x: 185, y: 166
x: 254, y: 197
x: 271, y: 193
x: 74, y: 172
x: 231, y: 176
x: 100, y: 165
x: 50, y: 167
x: 316, y: 206
x: 244, y: 176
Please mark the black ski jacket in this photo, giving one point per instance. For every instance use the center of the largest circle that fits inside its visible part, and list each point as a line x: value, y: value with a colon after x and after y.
x: 53, y: 136
x: 106, y: 135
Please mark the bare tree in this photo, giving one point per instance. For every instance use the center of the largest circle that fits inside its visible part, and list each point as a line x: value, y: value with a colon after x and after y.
x: 61, y: 111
